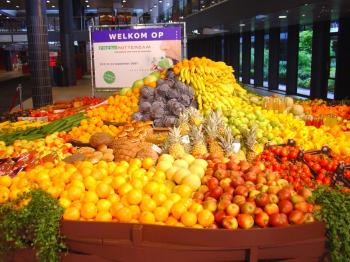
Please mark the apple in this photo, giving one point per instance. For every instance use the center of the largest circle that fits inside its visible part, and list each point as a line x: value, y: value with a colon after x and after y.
x: 229, y: 190
x: 297, y: 198
x: 198, y: 195
x: 245, y: 221
x: 248, y: 208
x: 271, y: 208
x: 282, y: 182
x: 227, y: 196
x: 219, y: 216
x: 232, y: 209
x: 274, y: 189
x: 305, y: 193
x: 302, y: 206
x: 231, y: 165
x: 219, y: 166
x: 138, y: 84
x: 262, y: 199
x: 278, y: 220
x: 212, y: 183
x: 285, y: 206
x: 244, y: 165
x: 210, y: 204
x: 261, y: 179
x: 225, y: 183
x: 213, y: 226
x: 284, y: 193
x: 253, y: 193
x: 203, y: 189
x: 216, y: 192
x: 272, y: 176
x: 235, y: 173
x: 220, y: 174
x: 239, y: 200
x: 223, y: 204
x: 262, y: 219
x: 273, y: 198
x: 209, y: 172
x: 230, y: 222
x: 241, y: 190
x: 309, y: 218
x: 237, y: 181
x: 296, y: 217
x: 258, y: 210
x: 250, y: 176
x: 264, y: 188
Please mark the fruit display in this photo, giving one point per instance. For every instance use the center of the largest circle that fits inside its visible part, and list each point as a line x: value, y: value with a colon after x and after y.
x: 9, y: 127
x: 164, y: 103
x: 60, y: 125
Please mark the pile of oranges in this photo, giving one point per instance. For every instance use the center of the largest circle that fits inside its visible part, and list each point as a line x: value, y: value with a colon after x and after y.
x: 119, y: 108
x: 133, y: 192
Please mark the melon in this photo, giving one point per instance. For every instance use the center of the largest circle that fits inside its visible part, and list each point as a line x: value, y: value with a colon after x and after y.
x: 171, y: 172
x: 193, y: 181
x: 180, y: 175
x: 181, y: 163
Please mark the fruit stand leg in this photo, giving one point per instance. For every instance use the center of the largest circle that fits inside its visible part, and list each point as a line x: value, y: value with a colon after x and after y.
x: 253, y: 254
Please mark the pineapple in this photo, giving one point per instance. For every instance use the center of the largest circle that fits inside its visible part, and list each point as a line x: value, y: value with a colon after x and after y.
x: 249, y: 138
x: 218, y: 118
x: 174, y: 143
x: 199, y: 146
x: 195, y: 116
x: 227, y: 142
x: 211, y: 129
x: 183, y: 124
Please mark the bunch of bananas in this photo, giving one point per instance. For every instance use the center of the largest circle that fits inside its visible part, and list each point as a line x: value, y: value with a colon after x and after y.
x: 214, y: 83
x: 9, y: 127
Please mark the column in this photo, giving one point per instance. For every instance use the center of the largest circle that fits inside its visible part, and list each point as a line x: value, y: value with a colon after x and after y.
x: 292, y: 59
x: 259, y: 58
x: 246, y: 51
x: 274, y: 52
x: 67, y: 42
x: 342, y: 75
x: 320, y: 59
x: 38, y: 50
x: 231, y: 51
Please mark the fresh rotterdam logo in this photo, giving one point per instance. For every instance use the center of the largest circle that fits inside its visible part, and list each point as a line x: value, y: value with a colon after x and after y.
x: 109, y: 77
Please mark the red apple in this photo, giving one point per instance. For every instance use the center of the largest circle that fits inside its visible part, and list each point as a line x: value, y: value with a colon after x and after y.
x: 271, y: 208
x: 305, y: 193
x: 258, y: 210
x: 216, y: 192
x: 262, y: 199
x: 220, y: 174
x: 203, y: 189
x: 296, y: 217
x: 261, y: 179
x: 231, y: 165
x: 223, y: 204
x: 237, y: 181
x: 225, y: 183
x: 253, y: 194
x: 272, y: 176
x: 285, y: 206
x: 309, y: 218
x: 213, y: 226
x: 244, y: 165
x: 227, y: 196
x: 273, y: 198
x: 242, y: 190
x: 239, y: 200
x: 209, y: 172
x: 232, y: 210
x: 235, y: 173
x: 302, y: 206
x: 264, y: 188
x: 245, y: 221
x: 248, y: 208
x: 250, y: 176
x: 297, y: 198
x: 273, y: 189
x: 210, y: 204
x: 212, y: 183
x: 262, y: 219
x: 230, y: 222
x: 278, y: 220
x: 284, y: 193
x: 229, y: 190
x: 219, y: 166
x: 198, y: 195
x: 219, y: 216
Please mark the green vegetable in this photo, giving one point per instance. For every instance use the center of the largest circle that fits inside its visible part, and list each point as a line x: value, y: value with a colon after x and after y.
x: 35, y: 225
x: 335, y: 211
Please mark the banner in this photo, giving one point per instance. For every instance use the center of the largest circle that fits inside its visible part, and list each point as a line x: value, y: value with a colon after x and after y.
x: 124, y: 55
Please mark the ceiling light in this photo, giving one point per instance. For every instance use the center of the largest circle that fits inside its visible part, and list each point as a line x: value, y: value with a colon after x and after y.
x: 17, y: 6
x: 7, y: 17
x: 48, y: 1
x: 155, y: 6
x: 86, y: 1
x: 87, y: 5
x: 241, y: 25
x: 303, y: 15
x: 160, y: 1
x: 282, y: 17
x: 53, y: 6
x: 150, y: 10
x: 168, y: 4
x: 8, y: 1
x: 181, y: 17
x: 203, y: 6
x: 124, y: 1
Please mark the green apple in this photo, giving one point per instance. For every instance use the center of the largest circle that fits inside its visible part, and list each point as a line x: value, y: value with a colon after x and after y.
x: 124, y: 91
x: 138, y: 84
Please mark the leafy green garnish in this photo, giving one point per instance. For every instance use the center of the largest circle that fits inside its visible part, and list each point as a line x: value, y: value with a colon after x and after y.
x: 32, y: 221
x: 335, y: 211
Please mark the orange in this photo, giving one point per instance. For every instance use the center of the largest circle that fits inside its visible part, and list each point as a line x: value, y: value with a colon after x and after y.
x: 90, y: 183
x: 185, y: 191
x: 113, y: 197
x: 75, y: 192
x: 161, y: 214
x: 205, y: 218
x: 147, y: 217
x: 134, y: 196
x: 54, y: 191
x: 189, y: 219
x: 148, y: 205
x: 90, y: 196
x: 103, y: 216
x: 108, y: 180
x: 195, y: 208
x: 147, y: 163
x: 88, y: 210
x: 64, y: 202
x: 78, y: 183
x: 77, y: 204
x: 151, y: 188
x: 103, y: 190
x: 22, y: 183
x: 159, y: 175
x: 136, y: 162
x: 124, y: 189
x: 178, y: 224
x: 115, y: 207
x: 159, y: 198
x: 124, y: 215
x: 71, y: 213
x: 137, y: 183
x: 97, y: 174
x: 4, y: 196
x: 120, y: 170
x: 198, y: 226
x: 103, y: 205
x: 5, y: 181
x: 178, y: 209
x: 171, y: 221
x: 135, y: 211
x: 117, y: 182
x: 168, y: 204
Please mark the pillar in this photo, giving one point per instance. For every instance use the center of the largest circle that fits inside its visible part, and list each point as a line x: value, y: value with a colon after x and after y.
x: 246, y: 52
x: 320, y: 59
x: 67, y: 42
x: 274, y: 54
x: 342, y: 75
x: 38, y: 50
x: 292, y: 59
x: 259, y: 58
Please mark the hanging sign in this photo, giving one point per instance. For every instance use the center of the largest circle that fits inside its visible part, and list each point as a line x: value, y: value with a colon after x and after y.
x: 122, y: 56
